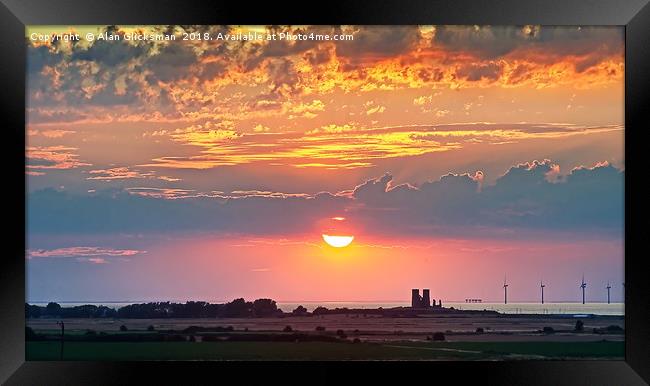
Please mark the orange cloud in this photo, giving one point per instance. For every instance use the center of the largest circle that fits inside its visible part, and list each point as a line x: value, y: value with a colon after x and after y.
x: 200, y: 79
x: 348, y: 146
x: 53, y: 157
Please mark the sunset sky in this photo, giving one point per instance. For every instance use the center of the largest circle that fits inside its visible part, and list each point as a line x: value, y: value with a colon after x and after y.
x: 208, y: 170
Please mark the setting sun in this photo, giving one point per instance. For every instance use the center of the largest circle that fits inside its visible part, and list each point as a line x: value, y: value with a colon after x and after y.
x: 338, y: 241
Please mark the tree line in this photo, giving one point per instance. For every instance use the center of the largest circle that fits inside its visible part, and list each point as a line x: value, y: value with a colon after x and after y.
x: 155, y: 310
x: 238, y: 308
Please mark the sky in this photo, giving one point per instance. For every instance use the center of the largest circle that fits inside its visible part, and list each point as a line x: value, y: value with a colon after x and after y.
x: 457, y: 157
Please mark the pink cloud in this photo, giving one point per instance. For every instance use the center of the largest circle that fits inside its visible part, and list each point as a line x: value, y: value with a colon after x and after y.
x: 123, y: 173
x: 90, y: 254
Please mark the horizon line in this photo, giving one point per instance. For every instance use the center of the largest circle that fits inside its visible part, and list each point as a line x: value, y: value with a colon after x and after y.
x: 319, y: 301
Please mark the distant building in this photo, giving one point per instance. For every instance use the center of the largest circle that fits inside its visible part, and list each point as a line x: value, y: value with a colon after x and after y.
x: 426, y: 300
x: 415, y: 298
x: 423, y: 301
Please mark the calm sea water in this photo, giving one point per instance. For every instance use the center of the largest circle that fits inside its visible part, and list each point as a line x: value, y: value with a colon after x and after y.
x: 510, y: 308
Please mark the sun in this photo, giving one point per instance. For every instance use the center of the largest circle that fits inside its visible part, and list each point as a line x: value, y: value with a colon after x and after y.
x: 338, y: 241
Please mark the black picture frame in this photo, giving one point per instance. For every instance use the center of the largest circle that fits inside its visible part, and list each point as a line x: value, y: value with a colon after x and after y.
x: 633, y: 14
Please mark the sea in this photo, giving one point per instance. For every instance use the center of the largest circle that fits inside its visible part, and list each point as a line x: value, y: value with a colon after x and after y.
x: 510, y: 308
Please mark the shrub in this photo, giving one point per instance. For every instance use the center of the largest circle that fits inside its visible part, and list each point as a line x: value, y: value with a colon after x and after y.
x: 192, y: 338
x: 90, y: 333
x: 614, y: 328
x: 356, y: 340
x: 548, y: 330
x: 580, y: 326
x: 438, y: 336
x: 340, y: 332
x: 479, y: 330
x: 287, y: 329
x: 320, y: 328
x: 123, y: 328
x: 151, y: 328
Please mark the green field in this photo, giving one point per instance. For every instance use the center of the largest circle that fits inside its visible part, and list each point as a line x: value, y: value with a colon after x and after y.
x: 93, y: 351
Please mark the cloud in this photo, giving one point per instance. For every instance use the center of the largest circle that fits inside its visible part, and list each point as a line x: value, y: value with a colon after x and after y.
x: 52, y: 157
x: 342, y: 146
x: 376, y: 43
x: 492, y: 42
x: 257, y: 53
x: 110, y: 53
x: 50, y: 133
x: 474, y: 72
x: 124, y: 173
x: 94, y: 255
x: 523, y: 198
x: 166, y: 193
x: 124, y: 80
x: 172, y: 62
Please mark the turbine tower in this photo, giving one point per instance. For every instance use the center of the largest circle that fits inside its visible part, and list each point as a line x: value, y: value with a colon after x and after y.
x: 608, y: 288
x: 505, y: 291
x: 583, y: 285
x: 542, y: 285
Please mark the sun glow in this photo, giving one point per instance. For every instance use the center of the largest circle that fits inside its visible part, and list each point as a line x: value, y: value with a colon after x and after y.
x: 338, y: 241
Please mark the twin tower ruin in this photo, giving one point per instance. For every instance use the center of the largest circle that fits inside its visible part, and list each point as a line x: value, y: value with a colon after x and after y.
x: 423, y: 301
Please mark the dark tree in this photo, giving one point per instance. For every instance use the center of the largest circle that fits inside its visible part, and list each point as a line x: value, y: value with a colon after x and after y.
x: 53, y: 309
x: 300, y: 310
x: 123, y: 328
x: 150, y: 328
x: 320, y: 311
x: 287, y: 329
x: 438, y: 336
x: 264, y: 307
x: 32, y: 311
x: 237, y: 308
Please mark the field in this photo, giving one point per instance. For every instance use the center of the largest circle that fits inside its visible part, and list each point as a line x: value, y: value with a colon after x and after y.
x: 371, y: 328
x: 331, y: 337
x: 97, y: 351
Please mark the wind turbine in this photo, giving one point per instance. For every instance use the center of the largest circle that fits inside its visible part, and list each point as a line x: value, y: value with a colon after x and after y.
x: 583, y: 285
x: 608, y: 287
x: 542, y: 285
x: 505, y: 291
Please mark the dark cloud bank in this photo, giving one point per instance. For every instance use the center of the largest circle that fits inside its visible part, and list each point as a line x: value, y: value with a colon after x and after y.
x: 528, y: 196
